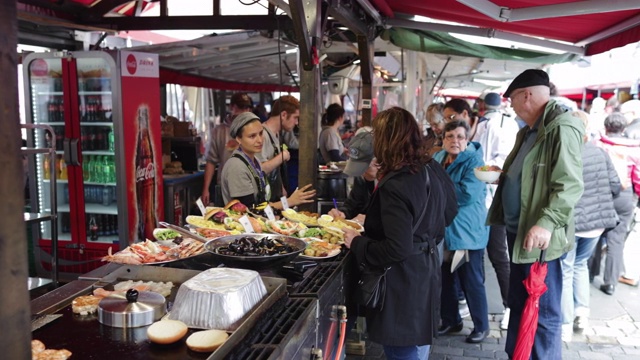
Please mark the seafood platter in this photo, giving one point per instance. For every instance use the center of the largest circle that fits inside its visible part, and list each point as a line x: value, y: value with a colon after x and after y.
x: 139, y: 312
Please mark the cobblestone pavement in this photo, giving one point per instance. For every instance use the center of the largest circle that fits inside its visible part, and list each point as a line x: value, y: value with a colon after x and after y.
x: 613, y: 332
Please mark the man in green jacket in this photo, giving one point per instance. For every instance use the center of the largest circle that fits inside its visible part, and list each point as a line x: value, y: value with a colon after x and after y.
x: 540, y: 184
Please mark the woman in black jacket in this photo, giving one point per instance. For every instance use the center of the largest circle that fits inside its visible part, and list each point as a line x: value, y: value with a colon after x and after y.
x: 594, y: 213
x: 412, y: 205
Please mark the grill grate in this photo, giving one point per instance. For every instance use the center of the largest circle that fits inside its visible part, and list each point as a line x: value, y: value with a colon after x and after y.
x: 312, y: 285
x: 272, y: 332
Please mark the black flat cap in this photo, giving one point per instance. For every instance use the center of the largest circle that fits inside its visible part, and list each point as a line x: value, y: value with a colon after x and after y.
x: 530, y: 77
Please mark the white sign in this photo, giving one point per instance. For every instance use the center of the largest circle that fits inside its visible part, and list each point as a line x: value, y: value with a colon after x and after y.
x: 203, y: 210
x: 285, y: 204
x: 246, y: 224
x: 269, y: 212
x: 137, y: 64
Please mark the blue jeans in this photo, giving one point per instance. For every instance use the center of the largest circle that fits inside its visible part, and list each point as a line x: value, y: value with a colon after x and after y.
x: 547, y: 344
x: 575, y: 278
x: 407, y: 352
x: 471, y: 276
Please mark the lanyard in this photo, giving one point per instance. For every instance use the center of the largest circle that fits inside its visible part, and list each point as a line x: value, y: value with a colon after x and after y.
x: 255, y: 169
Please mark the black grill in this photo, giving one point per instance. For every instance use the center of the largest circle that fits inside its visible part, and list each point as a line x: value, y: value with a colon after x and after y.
x: 314, y: 284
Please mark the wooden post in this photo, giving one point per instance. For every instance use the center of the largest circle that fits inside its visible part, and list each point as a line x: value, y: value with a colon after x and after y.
x: 14, y: 300
x: 310, y: 104
x: 365, y: 49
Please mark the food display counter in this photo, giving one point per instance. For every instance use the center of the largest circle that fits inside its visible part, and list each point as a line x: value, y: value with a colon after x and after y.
x: 291, y: 322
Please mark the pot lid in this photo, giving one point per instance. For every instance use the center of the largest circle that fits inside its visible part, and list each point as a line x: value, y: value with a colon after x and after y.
x: 132, y: 309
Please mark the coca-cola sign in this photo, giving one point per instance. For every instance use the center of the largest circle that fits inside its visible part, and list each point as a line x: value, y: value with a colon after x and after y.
x: 143, y: 174
x: 39, y: 67
x: 132, y: 64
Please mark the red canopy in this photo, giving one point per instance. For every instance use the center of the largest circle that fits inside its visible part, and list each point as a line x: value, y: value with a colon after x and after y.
x: 573, y: 28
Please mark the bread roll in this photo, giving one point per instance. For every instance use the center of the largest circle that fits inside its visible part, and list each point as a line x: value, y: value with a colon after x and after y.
x: 207, y: 340
x: 167, y: 331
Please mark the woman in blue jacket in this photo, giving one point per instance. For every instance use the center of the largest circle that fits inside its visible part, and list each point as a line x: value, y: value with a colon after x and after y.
x: 466, y: 233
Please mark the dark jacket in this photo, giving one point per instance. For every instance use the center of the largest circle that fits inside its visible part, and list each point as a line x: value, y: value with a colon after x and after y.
x: 411, y: 310
x: 595, y: 208
x: 358, y: 198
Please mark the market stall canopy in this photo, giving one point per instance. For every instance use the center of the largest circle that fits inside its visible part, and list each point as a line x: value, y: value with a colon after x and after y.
x: 596, y: 25
x: 247, y: 61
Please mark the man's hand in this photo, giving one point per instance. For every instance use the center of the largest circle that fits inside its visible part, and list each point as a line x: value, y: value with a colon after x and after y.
x: 285, y: 155
x: 537, y: 237
x: 205, y: 197
x: 336, y: 214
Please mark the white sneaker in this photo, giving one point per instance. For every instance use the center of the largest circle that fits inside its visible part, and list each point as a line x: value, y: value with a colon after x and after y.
x: 464, y: 310
x: 567, y: 332
x: 504, y: 323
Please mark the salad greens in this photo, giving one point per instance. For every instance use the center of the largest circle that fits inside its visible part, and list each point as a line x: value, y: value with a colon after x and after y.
x: 311, y: 232
x: 166, y: 235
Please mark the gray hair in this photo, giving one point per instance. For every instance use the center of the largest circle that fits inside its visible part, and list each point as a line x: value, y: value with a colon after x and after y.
x: 615, y: 123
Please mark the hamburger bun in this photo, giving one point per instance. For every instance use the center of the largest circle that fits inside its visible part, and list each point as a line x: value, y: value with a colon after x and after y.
x: 167, y: 331
x: 207, y: 340
x: 210, y: 212
x: 231, y: 203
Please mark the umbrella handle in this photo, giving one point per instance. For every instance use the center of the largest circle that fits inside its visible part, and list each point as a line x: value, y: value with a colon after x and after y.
x: 543, y: 254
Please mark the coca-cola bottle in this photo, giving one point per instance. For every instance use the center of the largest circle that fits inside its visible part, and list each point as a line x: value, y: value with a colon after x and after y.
x: 93, y: 228
x: 145, y: 178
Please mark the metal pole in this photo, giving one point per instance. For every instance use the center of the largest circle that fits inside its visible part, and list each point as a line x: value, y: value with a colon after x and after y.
x: 439, y: 75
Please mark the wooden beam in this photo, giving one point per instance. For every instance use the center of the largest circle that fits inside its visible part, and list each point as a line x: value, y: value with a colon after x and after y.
x: 14, y: 302
x: 196, y: 22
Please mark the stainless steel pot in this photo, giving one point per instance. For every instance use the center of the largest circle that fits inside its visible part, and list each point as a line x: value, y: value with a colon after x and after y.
x: 133, y: 309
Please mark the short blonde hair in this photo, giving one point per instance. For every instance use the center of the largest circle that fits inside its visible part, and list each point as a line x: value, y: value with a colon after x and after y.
x: 585, y: 122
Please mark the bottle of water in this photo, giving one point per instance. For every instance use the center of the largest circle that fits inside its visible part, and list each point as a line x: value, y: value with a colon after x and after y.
x: 106, y: 195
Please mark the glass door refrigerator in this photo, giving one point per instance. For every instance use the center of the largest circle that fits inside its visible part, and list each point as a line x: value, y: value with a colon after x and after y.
x: 105, y: 110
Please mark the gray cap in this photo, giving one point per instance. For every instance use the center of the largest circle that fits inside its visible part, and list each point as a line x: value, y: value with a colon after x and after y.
x: 241, y: 120
x: 360, y: 154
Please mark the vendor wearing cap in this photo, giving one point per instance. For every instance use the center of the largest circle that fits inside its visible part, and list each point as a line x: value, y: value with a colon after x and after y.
x: 363, y: 166
x: 242, y: 175
x: 541, y: 183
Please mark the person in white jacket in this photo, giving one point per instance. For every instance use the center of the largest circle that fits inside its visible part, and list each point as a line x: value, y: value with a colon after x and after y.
x: 497, y: 134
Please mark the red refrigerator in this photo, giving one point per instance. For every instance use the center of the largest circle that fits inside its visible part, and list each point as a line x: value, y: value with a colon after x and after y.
x: 105, y: 110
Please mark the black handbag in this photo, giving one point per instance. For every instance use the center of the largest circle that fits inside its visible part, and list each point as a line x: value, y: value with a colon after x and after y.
x: 372, y: 286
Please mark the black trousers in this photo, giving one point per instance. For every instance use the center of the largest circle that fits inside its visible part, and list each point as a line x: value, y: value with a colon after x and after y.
x: 498, y: 254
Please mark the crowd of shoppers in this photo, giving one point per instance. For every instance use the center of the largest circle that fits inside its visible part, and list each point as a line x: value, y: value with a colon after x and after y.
x: 567, y: 192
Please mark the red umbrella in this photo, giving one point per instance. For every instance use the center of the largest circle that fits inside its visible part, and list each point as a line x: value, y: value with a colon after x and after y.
x: 529, y: 322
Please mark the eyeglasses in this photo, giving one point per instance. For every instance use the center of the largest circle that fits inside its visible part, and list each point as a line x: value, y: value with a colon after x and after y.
x: 451, y: 137
x: 513, y: 96
x: 452, y: 117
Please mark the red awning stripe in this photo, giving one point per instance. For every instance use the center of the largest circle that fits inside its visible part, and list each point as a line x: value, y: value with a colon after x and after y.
x: 168, y: 76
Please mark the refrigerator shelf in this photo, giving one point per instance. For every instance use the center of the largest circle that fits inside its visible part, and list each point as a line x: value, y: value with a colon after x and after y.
x: 35, y: 217
x: 89, y: 93
x: 105, y: 239
x: 101, y: 123
x: 93, y: 209
x: 97, y: 152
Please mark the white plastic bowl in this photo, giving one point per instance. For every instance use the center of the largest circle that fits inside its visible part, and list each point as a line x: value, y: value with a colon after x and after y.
x: 487, y: 176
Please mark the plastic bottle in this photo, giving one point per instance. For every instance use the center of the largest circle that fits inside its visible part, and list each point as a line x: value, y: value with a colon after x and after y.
x: 106, y: 176
x: 86, y: 174
x: 112, y: 169
x: 93, y: 228
x: 46, y: 168
x: 63, y: 169
x: 106, y: 195
x: 112, y: 145
x: 96, y: 173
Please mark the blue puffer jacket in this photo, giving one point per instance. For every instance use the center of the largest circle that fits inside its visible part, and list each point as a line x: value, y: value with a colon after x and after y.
x: 468, y: 230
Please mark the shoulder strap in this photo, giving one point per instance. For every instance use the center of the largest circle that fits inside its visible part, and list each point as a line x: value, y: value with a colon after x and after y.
x: 424, y: 210
x: 276, y: 150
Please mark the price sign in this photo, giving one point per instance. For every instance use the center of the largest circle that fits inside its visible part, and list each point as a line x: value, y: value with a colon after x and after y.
x: 246, y: 224
x: 203, y: 210
x: 269, y: 212
x: 285, y: 204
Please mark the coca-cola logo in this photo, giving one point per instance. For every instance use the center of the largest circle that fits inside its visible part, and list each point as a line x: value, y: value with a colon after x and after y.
x: 145, y: 173
x: 39, y: 67
x: 132, y: 64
